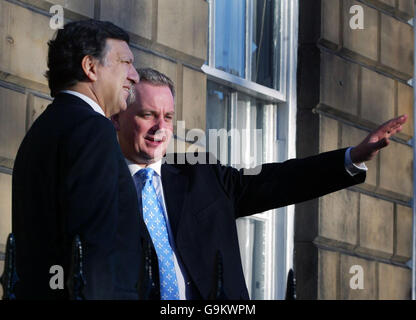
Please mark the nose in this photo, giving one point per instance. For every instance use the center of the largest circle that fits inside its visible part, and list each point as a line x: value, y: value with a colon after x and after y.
x: 160, y: 124
x: 133, y: 75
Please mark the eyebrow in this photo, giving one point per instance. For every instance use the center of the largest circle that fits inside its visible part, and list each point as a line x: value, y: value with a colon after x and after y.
x: 154, y: 111
x: 125, y: 58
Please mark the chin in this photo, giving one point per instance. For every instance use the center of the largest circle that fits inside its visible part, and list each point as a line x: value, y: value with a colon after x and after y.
x: 123, y: 106
x: 148, y: 160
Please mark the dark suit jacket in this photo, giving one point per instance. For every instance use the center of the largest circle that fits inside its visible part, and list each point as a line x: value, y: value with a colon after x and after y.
x: 70, y: 178
x: 203, y: 202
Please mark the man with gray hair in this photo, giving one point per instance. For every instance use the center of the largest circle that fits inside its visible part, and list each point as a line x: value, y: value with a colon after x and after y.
x: 190, y: 209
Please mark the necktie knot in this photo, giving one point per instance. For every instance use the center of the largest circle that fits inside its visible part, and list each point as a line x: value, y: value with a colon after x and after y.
x: 146, y: 174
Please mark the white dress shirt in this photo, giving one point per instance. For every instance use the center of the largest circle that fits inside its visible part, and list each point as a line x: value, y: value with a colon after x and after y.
x: 351, y: 167
x: 88, y: 100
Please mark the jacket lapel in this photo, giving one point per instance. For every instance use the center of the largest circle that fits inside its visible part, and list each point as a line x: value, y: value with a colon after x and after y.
x: 175, y: 184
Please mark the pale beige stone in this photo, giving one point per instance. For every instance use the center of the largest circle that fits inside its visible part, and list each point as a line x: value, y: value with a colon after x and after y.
x: 377, y: 97
x: 396, y: 44
x: 394, y: 282
x: 83, y: 7
x: 339, y: 83
x: 369, y: 292
x: 376, y: 224
x: 147, y: 60
x: 407, y: 6
x: 404, y: 231
x: 328, y: 134
x: 132, y: 15
x: 361, y: 41
x: 338, y: 216
x: 183, y: 25
x: 396, y: 168
x: 405, y: 101
x: 23, y: 42
x: 194, y: 99
x: 5, y: 207
x: 12, y: 121
x: 1, y: 272
x: 330, y: 20
x: 391, y: 3
x: 328, y: 274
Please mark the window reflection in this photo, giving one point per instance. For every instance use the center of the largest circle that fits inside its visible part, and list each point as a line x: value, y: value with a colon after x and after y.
x: 264, y: 47
x: 247, y: 40
x: 230, y: 30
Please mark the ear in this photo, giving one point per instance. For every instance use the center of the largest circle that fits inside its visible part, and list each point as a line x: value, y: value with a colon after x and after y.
x: 89, y: 65
x: 115, y: 119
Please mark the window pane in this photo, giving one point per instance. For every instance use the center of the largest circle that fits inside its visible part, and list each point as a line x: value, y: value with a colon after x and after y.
x: 265, y: 46
x: 259, y: 254
x: 218, y: 117
x: 251, y: 239
x: 249, y: 122
x: 243, y: 123
x: 230, y: 30
x: 217, y: 105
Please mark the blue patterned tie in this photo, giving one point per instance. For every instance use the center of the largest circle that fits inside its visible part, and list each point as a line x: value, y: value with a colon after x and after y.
x: 156, y: 225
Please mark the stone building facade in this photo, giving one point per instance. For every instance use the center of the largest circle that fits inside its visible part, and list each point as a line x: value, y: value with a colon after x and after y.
x: 348, y: 82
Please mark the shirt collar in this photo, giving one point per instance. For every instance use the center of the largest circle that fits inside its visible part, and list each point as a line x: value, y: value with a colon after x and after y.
x: 134, y: 167
x: 88, y: 100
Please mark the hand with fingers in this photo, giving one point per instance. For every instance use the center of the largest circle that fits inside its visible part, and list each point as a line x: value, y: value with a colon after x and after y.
x: 376, y: 140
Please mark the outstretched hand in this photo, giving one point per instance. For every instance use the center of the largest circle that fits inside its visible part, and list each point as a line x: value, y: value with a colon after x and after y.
x: 376, y: 140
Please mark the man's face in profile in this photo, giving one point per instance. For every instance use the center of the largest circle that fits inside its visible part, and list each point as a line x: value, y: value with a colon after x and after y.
x: 115, y: 76
x: 146, y: 127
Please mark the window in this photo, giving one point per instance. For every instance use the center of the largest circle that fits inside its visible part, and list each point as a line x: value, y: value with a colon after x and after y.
x: 246, y: 39
x: 245, y: 44
x: 251, y: 96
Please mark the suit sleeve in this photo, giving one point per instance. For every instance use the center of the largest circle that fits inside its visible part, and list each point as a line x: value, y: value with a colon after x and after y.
x: 289, y: 182
x: 90, y: 194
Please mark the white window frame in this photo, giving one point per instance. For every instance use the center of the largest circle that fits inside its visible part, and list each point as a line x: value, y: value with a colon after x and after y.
x: 244, y: 84
x: 279, y: 227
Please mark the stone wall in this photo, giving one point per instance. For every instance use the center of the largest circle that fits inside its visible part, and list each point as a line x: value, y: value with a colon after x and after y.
x: 358, y: 80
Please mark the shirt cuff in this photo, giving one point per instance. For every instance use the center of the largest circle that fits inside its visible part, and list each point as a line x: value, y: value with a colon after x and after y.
x: 352, y: 168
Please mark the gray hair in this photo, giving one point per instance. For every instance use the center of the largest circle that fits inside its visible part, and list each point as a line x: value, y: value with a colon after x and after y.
x: 156, y: 78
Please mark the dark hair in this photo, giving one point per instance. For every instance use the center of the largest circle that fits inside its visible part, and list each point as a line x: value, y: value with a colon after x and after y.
x: 156, y: 78
x: 71, y: 44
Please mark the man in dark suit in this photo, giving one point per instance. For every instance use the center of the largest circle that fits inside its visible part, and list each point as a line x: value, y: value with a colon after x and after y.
x: 70, y: 177
x: 200, y: 202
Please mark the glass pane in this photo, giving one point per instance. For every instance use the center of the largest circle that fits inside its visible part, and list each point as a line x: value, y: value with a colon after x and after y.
x: 242, y: 124
x: 230, y: 31
x: 259, y: 256
x: 265, y: 46
x: 218, y: 117
x: 217, y: 105
x: 246, y: 229
x: 244, y: 142
x: 249, y: 122
x: 251, y: 239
